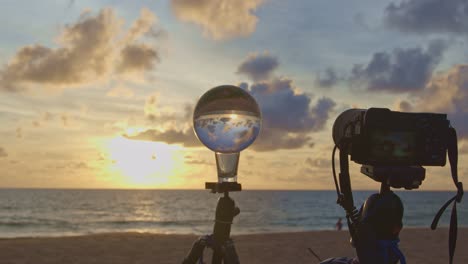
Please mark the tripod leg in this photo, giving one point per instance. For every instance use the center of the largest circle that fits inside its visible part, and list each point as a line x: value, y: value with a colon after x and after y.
x: 217, y: 256
x: 196, y: 252
x: 226, y: 254
x: 230, y: 254
x: 226, y: 210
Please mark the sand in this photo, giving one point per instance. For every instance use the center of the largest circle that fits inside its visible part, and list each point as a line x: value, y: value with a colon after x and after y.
x: 421, y: 246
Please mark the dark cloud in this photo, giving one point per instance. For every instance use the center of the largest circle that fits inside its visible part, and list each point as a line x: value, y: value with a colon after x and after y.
x: 88, y: 51
x: 287, y: 116
x: 3, y: 153
x: 137, y: 58
x: 185, y: 138
x: 458, y: 120
x: 403, y: 70
x: 284, y: 108
x: 258, y: 67
x: 404, y: 106
x: 220, y: 19
x: 428, y: 16
x: 328, y: 79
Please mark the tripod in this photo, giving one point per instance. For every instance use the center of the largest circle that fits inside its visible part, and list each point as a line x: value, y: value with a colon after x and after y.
x: 379, y: 227
x: 375, y: 228
x: 220, y: 241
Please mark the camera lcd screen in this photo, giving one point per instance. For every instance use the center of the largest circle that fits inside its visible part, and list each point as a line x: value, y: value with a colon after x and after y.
x: 387, y: 146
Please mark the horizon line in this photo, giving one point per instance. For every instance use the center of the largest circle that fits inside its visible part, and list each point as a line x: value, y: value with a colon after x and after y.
x: 199, y: 189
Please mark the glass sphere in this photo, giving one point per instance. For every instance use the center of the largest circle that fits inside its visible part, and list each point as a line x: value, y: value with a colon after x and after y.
x: 227, y: 119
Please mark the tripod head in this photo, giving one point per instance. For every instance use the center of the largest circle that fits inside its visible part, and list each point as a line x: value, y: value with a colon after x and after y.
x: 378, y: 229
x: 384, y: 212
x: 223, y: 187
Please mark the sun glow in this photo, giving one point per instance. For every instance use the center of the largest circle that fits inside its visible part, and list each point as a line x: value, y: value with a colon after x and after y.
x: 144, y: 164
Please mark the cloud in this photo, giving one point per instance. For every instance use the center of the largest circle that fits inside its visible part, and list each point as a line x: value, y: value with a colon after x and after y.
x: 153, y: 111
x: 403, y: 70
x: 220, y: 19
x: 186, y: 138
x: 89, y: 50
x: 328, y: 79
x: 19, y: 132
x: 69, y: 165
x: 194, y: 161
x: 463, y: 149
x: 287, y: 115
x: 156, y: 114
x: 403, y: 105
x: 428, y: 16
x: 283, y: 107
x: 120, y: 92
x: 47, y: 116
x: 288, y: 118
x: 143, y: 25
x: 448, y: 92
x: 258, y: 67
x: 137, y: 58
x: 318, y: 163
x: 3, y: 153
x: 178, y: 129
x: 65, y: 120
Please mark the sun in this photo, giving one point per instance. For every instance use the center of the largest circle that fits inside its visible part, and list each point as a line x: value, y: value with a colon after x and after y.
x: 143, y: 164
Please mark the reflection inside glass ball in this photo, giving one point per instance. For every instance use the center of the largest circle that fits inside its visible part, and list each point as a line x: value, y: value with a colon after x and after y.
x: 227, y: 131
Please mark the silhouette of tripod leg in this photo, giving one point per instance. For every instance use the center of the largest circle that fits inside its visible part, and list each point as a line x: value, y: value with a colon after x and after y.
x: 196, y: 252
x: 230, y: 254
x: 226, y: 210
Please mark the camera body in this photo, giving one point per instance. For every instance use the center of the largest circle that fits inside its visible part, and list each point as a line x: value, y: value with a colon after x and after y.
x: 380, y: 137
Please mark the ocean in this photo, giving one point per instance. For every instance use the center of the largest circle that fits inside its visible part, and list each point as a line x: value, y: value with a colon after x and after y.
x: 54, y: 212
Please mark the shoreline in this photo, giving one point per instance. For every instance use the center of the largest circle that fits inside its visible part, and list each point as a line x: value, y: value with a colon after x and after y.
x: 420, y: 245
x: 233, y: 232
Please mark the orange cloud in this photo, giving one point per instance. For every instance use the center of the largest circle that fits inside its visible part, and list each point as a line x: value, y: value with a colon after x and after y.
x: 220, y: 19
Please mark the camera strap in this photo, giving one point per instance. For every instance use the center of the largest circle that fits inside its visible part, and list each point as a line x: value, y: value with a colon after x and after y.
x: 344, y: 192
x: 453, y: 159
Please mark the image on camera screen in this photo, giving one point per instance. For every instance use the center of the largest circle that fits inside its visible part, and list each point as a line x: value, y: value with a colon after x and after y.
x: 392, y: 145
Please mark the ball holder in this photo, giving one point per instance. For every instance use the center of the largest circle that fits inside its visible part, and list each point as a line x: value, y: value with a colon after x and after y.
x: 226, y: 120
x: 220, y: 242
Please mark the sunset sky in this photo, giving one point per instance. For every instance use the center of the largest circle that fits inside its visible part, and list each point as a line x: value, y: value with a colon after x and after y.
x: 101, y: 95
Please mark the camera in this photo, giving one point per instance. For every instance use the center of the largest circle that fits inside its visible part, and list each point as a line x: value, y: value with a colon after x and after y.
x: 393, y: 146
x: 380, y: 137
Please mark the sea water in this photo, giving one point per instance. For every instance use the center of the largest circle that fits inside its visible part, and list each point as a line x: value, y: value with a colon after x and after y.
x: 41, y: 212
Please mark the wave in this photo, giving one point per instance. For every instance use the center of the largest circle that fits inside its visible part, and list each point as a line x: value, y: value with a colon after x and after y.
x: 153, y: 223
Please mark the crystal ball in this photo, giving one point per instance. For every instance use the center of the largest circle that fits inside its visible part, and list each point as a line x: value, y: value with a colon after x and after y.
x: 227, y: 119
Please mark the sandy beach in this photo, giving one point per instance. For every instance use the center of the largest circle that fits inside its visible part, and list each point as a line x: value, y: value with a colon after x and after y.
x: 421, y: 246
